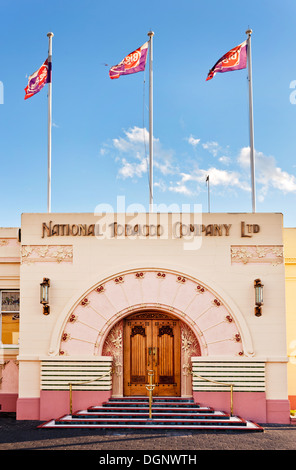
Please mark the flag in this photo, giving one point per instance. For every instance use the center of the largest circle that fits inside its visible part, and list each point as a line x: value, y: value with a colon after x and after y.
x: 235, y: 59
x: 132, y: 63
x: 37, y: 80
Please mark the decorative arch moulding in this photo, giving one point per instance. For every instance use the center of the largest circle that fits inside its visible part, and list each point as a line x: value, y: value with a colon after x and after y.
x: 257, y: 254
x: 218, y: 328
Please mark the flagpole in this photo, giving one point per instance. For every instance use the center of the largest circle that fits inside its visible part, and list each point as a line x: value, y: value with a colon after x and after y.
x: 151, y: 34
x: 208, y: 181
x: 50, y: 36
x: 252, y: 152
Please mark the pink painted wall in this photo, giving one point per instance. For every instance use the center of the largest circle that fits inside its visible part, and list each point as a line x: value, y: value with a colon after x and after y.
x: 8, y: 402
x: 251, y: 406
x: 54, y: 404
x: 9, y: 375
x: 9, y: 386
x: 28, y: 408
x: 248, y: 405
x: 278, y: 411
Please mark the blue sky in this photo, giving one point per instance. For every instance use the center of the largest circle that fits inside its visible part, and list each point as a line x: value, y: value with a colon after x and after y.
x: 200, y: 128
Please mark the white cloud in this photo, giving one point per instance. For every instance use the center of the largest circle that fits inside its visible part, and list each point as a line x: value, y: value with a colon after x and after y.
x: 267, y: 173
x: 193, y: 141
x: 166, y: 167
x: 221, y: 178
x: 217, y: 177
x: 132, y: 150
x: 181, y: 189
x: 224, y: 178
x: 225, y: 160
x: 160, y: 185
x: 134, y: 140
x: 212, y: 147
x: 130, y: 170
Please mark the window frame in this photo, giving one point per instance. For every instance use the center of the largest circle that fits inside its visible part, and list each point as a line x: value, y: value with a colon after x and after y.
x: 10, y: 290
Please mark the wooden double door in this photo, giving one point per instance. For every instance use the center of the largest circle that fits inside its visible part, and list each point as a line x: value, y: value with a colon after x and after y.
x: 152, y: 346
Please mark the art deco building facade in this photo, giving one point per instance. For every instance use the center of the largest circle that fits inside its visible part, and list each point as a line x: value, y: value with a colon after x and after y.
x: 176, y: 294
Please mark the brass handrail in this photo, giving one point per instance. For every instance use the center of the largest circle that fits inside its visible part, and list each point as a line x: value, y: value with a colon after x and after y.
x: 220, y: 383
x: 150, y: 387
x: 82, y: 383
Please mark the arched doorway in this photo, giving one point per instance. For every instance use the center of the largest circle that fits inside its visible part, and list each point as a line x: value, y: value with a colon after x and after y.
x: 83, y: 326
x: 124, y: 339
x: 94, y: 325
x: 152, y: 345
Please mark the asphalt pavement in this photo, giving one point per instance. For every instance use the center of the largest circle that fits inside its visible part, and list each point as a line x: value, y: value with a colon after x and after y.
x: 25, y: 435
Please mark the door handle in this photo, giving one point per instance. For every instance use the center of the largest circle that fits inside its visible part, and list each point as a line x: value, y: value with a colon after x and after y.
x: 152, y: 352
x: 149, y: 354
x: 155, y: 354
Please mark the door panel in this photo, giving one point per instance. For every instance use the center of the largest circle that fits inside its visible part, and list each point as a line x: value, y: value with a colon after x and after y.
x: 152, y: 345
x: 138, y: 348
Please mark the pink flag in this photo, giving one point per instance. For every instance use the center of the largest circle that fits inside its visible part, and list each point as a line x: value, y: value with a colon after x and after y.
x: 132, y: 63
x: 235, y: 59
x: 37, y: 80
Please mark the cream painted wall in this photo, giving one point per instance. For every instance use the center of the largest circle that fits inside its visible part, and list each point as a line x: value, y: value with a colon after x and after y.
x: 96, y: 259
x: 9, y: 279
x: 9, y: 258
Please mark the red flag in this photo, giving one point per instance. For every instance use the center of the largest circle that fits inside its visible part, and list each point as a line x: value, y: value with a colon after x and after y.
x: 235, y: 59
x: 37, y: 80
x: 132, y: 63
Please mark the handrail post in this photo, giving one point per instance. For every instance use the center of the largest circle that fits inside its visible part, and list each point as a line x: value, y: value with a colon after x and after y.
x: 220, y: 383
x: 231, y: 399
x: 150, y: 388
x: 85, y: 382
x: 150, y: 404
x: 70, y: 390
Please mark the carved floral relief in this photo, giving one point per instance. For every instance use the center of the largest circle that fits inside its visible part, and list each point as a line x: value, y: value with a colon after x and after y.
x: 190, y: 347
x: 9, y: 242
x: 247, y: 254
x: 113, y: 347
x: 47, y: 253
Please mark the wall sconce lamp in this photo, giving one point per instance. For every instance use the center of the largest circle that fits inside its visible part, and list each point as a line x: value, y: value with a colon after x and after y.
x: 44, y: 295
x: 258, y: 297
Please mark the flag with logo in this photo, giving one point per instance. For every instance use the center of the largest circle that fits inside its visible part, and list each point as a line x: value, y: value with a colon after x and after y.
x: 235, y: 59
x: 37, y: 80
x: 132, y: 63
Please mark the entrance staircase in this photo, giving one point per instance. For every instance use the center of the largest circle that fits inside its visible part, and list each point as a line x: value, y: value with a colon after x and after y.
x: 132, y: 413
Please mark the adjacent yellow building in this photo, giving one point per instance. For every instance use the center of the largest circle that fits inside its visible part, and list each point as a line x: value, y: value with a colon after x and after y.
x: 289, y: 240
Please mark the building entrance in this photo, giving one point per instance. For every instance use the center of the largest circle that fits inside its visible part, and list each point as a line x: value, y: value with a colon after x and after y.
x: 152, y: 343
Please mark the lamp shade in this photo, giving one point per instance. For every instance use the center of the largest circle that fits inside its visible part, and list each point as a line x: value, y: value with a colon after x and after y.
x: 258, y: 292
x: 44, y: 291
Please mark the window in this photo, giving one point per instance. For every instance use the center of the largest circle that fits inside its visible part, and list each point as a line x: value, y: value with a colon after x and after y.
x: 10, y: 309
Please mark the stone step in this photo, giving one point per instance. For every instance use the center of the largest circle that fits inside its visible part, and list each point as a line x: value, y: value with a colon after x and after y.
x: 68, y: 419
x: 145, y: 414
x: 141, y: 409
x: 150, y: 424
x: 155, y: 399
x: 167, y: 413
x: 133, y: 404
